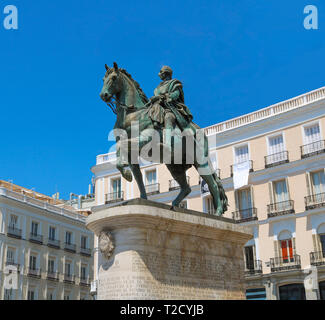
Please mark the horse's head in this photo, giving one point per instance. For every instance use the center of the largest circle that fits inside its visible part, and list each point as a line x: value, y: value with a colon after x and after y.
x: 112, y: 83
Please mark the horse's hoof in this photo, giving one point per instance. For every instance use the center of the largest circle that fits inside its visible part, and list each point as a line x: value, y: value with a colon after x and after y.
x: 172, y: 208
x: 219, y: 213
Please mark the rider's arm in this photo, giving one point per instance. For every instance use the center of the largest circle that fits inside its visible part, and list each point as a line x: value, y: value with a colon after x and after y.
x: 173, y: 95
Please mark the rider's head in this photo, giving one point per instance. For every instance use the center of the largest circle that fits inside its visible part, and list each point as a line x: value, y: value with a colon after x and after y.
x: 165, y: 72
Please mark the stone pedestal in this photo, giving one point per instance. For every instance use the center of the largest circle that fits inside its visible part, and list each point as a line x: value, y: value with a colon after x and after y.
x: 147, y: 251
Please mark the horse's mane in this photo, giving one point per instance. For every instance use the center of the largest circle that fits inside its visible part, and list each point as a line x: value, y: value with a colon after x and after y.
x: 141, y: 93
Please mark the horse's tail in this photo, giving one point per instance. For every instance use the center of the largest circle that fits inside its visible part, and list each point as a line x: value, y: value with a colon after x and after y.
x: 222, y: 193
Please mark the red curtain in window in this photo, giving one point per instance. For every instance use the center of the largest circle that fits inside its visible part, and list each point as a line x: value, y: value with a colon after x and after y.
x: 286, y: 246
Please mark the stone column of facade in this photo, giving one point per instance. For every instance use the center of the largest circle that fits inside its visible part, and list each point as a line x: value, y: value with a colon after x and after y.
x: 147, y: 251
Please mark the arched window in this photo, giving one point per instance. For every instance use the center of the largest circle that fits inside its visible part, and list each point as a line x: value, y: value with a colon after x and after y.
x: 285, y: 239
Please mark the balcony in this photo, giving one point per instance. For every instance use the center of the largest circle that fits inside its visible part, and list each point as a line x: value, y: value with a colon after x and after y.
x: 51, y: 275
x: 13, y: 264
x: 315, y: 201
x: 280, y: 208
x: 114, y: 197
x: 14, y: 232
x: 251, y: 167
x: 285, y: 264
x: 253, y: 268
x: 34, y: 272
x: 245, y: 215
x: 152, y: 189
x: 35, y: 238
x: 69, y: 247
x: 173, y: 184
x: 276, y: 159
x: 84, y: 282
x: 311, y: 149
x: 85, y: 251
x: 68, y: 278
x: 317, y: 258
x: 53, y: 243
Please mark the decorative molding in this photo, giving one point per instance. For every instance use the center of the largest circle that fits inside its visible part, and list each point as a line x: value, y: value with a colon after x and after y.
x: 106, y: 244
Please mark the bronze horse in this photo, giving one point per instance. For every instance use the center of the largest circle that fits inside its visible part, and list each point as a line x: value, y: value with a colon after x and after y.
x: 131, y: 106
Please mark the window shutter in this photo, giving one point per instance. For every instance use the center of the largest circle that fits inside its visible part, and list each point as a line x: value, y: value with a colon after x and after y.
x: 308, y: 184
x: 271, y: 192
x: 314, y: 236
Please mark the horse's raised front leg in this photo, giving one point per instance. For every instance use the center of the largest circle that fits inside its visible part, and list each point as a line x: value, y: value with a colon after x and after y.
x: 138, y: 178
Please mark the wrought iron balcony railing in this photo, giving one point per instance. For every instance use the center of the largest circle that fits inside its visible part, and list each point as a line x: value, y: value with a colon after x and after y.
x: 276, y: 159
x: 317, y: 258
x: 85, y: 251
x: 69, y: 278
x: 84, y: 282
x: 14, y: 264
x: 34, y: 272
x: 245, y: 215
x: 253, y: 267
x: 173, y: 184
x: 114, y: 197
x: 36, y: 238
x: 52, y: 275
x: 70, y: 247
x: 152, y: 188
x: 14, y: 232
x: 315, y: 201
x: 280, y: 208
x: 285, y: 264
x: 312, y: 149
x: 53, y: 243
x: 251, y: 167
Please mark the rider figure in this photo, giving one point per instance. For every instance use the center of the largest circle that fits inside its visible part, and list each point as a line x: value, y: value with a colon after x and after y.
x: 169, y: 91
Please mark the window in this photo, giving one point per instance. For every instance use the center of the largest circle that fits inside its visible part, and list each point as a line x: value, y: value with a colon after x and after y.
x: 8, y: 294
x: 318, y: 182
x: 10, y: 256
x: 312, y: 133
x: 68, y: 237
x: 280, y: 191
x: 249, y: 257
x: 322, y: 290
x: 322, y: 242
x: 244, y: 202
x: 241, y: 154
x: 276, y: 144
x: 84, y: 241
x: 116, y: 188
x: 31, y: 294
x: 67, y: 268
x: 83, y: 272
x: 52, y: 233
x: 34, y: 230
x: 151, y: 177
x: 67, y: 296
x: 286, y: 250
x: 50, y: 295
x: 32, y: 262
x: 13, y: 223
x: 209, y: 207
x: 51, y: 265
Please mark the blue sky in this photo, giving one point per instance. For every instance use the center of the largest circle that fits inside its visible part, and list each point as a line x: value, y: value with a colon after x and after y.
x: 233, y: 57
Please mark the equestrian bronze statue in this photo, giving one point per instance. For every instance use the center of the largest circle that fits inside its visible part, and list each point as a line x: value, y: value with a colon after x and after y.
x: 164, y: 124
